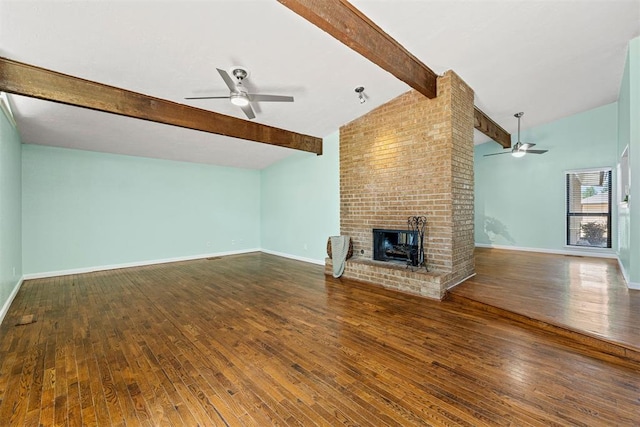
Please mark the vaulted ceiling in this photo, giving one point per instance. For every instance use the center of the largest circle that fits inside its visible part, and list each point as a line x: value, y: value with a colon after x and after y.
x: 550, y: 59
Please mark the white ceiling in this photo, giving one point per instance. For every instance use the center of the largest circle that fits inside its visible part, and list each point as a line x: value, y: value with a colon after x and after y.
x: 550, y: 59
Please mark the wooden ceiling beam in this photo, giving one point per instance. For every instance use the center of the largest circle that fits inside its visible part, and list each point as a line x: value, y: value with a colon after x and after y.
x: 29, y: 80
x: 351, y: 27
x: 484, y: 124
x: 344, y: 22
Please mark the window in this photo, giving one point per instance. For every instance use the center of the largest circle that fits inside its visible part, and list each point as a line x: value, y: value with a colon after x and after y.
x: 589, y: 208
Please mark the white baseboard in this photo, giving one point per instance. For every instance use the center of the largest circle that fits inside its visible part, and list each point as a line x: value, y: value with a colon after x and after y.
x: 624, y: 272
x: 12, y: 296
x: 296, y: 257
x: 630, y: 284
x: 574, y: 252
x: 133, y: 264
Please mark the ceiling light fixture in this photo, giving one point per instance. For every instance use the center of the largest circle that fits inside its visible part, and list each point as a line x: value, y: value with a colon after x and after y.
x: 359, y: 91
x: 519, y: 153
x: 239, y: 99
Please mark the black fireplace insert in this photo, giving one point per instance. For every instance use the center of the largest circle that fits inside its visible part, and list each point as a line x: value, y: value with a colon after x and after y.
x: 394, y: 245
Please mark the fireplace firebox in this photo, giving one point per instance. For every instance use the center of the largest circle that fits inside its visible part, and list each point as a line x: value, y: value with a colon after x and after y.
x: 402, y: 245
x: 394, y: 245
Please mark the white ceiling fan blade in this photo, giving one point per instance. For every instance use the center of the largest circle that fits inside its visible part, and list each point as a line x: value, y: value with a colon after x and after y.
x: 495, y: 154
x: 269, y: 98
x: 248, y: 111
x: 228, y: 80
x: 208, y: 97
x: 526, y: 145
x: 537, y: 151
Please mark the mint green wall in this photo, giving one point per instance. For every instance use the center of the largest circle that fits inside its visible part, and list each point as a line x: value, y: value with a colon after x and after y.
x: 10, y: 210
x: 629, y: 136
x: 301, y: 203
x: 84, y: 209
x: 520, y: 202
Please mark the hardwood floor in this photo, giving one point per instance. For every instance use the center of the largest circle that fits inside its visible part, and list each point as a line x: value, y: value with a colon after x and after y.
x: 579, y: 294
x: 260, y: 340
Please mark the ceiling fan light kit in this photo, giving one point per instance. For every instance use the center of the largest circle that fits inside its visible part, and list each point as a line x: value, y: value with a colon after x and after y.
x: 520, y: 149
x: 238, y: 95
x: 239, y: 99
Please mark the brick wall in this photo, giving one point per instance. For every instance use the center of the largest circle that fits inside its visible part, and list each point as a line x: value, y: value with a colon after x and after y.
x: 411, y: 156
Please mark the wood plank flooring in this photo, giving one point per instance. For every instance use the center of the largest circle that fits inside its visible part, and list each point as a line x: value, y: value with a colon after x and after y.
x: 259, y: 340
x: 581, y: 294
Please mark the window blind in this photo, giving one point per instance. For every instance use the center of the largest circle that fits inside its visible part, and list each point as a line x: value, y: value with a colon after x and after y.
x: 589, y: 208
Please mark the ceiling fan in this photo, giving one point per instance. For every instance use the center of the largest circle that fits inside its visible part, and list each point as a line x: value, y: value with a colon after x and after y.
x: 238, y: 93
x: 520, y: 148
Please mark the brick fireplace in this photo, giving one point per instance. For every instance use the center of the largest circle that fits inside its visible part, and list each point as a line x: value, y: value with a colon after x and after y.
x: 411, y: 157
